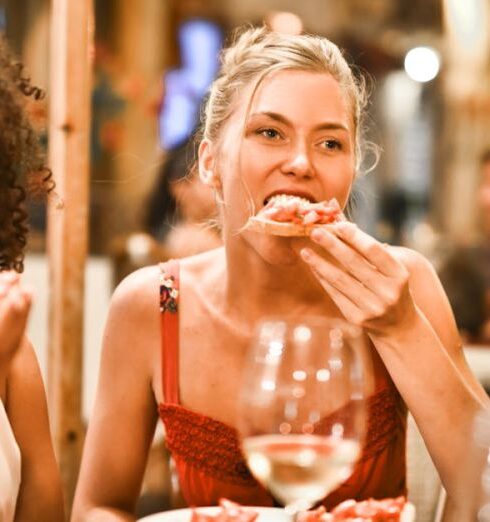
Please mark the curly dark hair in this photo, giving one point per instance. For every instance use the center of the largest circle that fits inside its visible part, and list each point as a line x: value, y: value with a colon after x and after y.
x: 21, y: 159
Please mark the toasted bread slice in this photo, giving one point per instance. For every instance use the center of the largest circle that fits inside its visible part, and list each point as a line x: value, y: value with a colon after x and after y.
x: 278, y: 228
x: 290, y: 216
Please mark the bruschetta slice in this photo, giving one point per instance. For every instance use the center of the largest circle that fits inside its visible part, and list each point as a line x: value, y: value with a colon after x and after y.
x: 289, y: 216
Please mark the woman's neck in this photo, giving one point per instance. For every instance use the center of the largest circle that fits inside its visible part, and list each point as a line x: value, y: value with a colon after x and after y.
x: 283, y: 285
x: 237, y: 287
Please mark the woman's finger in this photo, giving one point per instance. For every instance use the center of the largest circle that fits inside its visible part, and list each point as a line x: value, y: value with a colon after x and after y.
x: 376, y: 253
x: 350, y: 287
x: 348, y: 309
x: 353, y: 262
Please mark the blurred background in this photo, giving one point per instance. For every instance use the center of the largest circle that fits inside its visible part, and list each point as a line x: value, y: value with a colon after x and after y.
x: 428, y: 67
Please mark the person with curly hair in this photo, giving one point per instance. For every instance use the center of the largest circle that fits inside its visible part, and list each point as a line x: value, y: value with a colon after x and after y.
x: 30, y: 486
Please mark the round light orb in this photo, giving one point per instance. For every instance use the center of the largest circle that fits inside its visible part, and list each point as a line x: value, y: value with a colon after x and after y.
x: 422, y: 64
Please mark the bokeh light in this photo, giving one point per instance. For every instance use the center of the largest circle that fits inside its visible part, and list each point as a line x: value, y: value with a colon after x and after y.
x: 422, y: 64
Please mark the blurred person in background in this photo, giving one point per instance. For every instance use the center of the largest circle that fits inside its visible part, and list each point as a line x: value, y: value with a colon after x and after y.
x: 465, y: 273
x: 285, y: 116
x: 30, y: 487
x: 181, y: 207
x: 180, y: 220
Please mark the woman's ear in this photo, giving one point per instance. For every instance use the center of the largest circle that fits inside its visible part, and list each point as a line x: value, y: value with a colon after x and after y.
x: 207, y: 165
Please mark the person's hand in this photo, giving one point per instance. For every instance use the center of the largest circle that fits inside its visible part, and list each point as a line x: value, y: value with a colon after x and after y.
x: 364, y: 279
x: 15, y: 303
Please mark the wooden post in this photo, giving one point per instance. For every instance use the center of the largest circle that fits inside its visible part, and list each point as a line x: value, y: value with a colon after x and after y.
x: 69, y: 96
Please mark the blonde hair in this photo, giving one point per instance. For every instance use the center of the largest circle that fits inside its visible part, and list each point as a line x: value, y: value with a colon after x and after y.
x: 257, y: 52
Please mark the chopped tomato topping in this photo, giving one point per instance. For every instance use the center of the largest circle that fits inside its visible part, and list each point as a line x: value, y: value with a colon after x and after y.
x: 291, y: 209
x: 386, y: 510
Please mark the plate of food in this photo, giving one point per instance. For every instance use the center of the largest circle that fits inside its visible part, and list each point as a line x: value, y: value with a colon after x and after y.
x: 227, y: 512
x: 371, y: 510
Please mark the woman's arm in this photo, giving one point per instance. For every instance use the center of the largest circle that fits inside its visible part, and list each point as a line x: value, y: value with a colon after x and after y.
x: 40, y: 496
x: 123, y: 421
x: 397, y: 298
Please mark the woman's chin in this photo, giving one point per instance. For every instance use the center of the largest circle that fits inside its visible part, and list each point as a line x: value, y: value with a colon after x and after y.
x: 275, y: 250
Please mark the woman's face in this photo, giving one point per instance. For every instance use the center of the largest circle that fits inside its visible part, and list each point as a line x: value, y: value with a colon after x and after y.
x: 298, y: 138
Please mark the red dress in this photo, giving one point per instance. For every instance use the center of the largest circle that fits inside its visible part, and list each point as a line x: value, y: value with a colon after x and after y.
x: 207, y: 454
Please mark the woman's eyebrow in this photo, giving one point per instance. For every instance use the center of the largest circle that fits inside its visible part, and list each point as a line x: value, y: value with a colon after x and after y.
x: 329, y: 125
x: 273, y: 115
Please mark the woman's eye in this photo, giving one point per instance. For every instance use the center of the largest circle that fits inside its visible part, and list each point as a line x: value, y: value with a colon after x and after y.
x: 269, y: 133
x: 331, y: 144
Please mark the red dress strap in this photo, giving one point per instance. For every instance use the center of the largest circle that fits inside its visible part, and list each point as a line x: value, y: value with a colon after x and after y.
x: 169, y: 331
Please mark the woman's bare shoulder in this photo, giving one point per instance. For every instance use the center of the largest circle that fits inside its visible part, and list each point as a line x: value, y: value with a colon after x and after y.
x: 133, y: 311
x: 138, y: 287
x: 133, y: 321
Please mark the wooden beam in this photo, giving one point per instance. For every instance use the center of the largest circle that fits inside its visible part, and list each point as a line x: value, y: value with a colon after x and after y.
x: 69, y: 114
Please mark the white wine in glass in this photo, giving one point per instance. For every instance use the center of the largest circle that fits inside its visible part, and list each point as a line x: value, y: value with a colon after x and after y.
x: 301, y: 417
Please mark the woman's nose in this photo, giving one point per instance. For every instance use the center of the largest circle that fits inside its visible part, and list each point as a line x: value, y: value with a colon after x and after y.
x: 298, y: 163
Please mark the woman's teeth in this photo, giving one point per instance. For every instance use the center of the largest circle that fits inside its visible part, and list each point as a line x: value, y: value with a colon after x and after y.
x: 285, y: 198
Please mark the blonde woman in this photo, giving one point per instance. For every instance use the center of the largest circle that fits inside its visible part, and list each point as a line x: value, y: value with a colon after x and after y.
x: 284, y: 116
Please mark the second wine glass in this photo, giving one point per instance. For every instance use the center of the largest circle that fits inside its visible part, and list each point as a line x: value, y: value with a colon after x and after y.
x: 301, y: 417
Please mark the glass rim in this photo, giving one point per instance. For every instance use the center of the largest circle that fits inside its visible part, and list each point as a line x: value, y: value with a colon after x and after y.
x: 352, y: 330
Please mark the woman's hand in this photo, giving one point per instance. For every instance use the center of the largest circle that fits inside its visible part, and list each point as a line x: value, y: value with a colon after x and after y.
x: 366, y: 282
x: 15, y: 303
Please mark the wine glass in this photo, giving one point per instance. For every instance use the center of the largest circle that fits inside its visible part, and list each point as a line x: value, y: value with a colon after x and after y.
x: 301, y: 415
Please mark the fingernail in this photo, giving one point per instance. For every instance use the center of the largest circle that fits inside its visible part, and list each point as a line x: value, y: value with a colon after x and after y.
x: 305, y: 254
